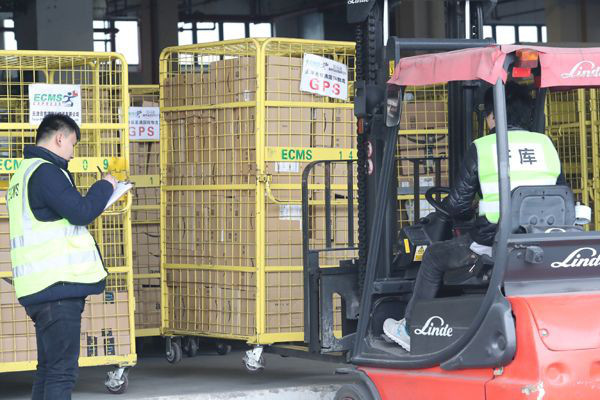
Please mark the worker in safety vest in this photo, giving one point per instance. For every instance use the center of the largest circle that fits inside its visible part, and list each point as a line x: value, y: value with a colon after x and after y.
x: 533, y: 161
x: 55, y: 260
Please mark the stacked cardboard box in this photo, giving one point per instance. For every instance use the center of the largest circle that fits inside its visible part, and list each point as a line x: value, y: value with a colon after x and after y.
x: 104, y: 326
x: 217, y: 227
x: 147, y: 303
x: 212, y: 301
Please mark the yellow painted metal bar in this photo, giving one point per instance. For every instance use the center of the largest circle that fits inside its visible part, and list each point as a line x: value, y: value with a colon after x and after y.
x: 29, y: 130
x: 260, y: 189
x: 146, y: 276
x: 77, y: 164
x: 147, y: 332
x: 307, y: 104
x: 581, y: 100
x: 145, y: 181
x: 145, y: 208
x: 307, y: 154
x: 221, y: 106
x: 170, y: 188
x: 270, y: 338
x: 164, y: 129
x: 207, y: 267
x: 595, y: 131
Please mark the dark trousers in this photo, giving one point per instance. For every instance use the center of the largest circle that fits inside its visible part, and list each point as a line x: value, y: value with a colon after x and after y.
x: 57, y: 330
x: 439, y: 258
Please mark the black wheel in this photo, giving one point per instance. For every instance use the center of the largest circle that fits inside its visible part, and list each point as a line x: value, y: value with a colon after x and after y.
x: 122, y: 388
x: 353, y: 392
x: 223, y: 349
x: 254, y: 369
x: 174, y: 356
x: 191, y: 346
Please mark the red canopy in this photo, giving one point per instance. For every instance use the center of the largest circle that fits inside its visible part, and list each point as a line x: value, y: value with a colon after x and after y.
x: 572, y: 67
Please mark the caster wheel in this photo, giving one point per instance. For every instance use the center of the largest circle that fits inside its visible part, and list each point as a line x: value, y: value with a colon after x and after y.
x: 191, y: 346
x: 174, y: 356
x: 223, y: 349
x: 119, y: 389
x: 255, y: 369
x: 353, y: 392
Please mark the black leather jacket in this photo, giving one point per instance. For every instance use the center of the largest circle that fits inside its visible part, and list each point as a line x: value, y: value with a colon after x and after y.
x: 459, y: 203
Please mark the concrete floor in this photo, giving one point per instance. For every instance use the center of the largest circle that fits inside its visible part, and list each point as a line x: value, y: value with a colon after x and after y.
x: 205, y: 377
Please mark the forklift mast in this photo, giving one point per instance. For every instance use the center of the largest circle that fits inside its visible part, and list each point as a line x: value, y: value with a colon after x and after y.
x: 464, y: 19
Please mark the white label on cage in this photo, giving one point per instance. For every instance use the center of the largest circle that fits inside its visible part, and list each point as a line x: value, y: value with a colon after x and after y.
x: 144, y: 123
x: 54, y: 99
x: 325, y: 77
x: 426, y: 181
x: 290, y: 212
x: 287, y: 167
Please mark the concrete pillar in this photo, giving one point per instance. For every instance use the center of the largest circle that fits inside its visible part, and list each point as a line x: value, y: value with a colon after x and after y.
x: 54, y: 25
x: 418, y: 19
x: 158, y: 29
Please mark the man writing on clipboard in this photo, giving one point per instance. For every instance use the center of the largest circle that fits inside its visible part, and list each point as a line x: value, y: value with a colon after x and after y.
x: 56, y: 261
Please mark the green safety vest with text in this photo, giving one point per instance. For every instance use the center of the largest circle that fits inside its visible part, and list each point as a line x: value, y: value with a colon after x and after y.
x: 533, y: 161
x: 45, y: 253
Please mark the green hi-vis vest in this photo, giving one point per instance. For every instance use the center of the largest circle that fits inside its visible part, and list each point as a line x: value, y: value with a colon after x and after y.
x: 533, y: 161
x: 45, y: 253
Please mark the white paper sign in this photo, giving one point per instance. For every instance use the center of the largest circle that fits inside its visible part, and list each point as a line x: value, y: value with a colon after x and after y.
x: 325, y: 77
x: 290, y: 212
x: 144, y: 123
x: 54, y: 99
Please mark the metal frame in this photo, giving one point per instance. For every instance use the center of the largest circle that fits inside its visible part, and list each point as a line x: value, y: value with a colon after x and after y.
x: 51, y: 64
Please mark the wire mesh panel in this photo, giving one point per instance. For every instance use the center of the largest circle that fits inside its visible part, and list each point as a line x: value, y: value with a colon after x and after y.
x: 107, y: 323
x: 423, y: 135
x: 237, y: 134
x: 144, y: 151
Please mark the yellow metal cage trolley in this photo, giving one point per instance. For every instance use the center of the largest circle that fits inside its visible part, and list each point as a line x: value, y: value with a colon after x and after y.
x: 144, y: 156
x: 97, y: 81
x: 237, y: 133
x: 573, y: 124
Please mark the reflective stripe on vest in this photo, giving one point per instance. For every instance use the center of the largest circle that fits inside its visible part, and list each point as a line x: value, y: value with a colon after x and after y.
x: 533, y: 161
x: 45, y: 253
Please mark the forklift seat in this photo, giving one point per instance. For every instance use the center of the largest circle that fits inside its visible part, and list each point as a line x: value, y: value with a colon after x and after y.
x: 535, y: 209
x: 543, y: 209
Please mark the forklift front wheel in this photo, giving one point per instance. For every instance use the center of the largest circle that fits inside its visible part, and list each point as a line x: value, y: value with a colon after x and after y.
x: 353, y: 392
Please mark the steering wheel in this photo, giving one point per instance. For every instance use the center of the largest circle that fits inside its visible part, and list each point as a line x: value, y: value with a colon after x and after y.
x: 437, y: 204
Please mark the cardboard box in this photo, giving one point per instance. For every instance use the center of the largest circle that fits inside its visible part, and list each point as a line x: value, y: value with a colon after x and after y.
x: 424, y: 115
x: 288, y: 127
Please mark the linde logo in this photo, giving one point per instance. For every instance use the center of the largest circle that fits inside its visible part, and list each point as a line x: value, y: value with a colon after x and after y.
x: 435, y: 326
x: 583, y: 257
x: 583, y: 69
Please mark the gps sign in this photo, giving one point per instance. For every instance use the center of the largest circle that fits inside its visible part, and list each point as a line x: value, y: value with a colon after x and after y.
x: 324, y: 77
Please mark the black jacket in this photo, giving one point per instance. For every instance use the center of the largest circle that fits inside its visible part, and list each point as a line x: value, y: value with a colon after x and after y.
x: 459, y: 203
x: 53, y: 197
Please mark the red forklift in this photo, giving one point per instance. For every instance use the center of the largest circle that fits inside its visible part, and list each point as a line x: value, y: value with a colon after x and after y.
x: 519, y: 325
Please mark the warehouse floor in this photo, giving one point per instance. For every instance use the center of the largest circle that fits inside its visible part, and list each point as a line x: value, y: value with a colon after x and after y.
x: 205, y: 377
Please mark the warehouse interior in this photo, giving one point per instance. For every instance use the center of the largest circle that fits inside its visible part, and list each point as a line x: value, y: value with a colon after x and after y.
x: 208, y: 254
x: 145, y: 27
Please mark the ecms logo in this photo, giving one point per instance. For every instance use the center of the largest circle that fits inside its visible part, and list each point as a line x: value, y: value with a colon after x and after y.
x: 55, y: 99
x: 435, y: 326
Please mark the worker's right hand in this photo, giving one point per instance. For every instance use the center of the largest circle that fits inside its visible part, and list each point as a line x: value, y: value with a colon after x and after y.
x: 111, y: 179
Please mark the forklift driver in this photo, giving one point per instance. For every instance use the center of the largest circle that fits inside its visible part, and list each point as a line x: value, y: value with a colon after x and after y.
x: 533, y: 161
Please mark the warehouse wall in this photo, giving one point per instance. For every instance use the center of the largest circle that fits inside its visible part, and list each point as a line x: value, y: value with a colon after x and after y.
x: 55, y: 25
x: 573, y: 20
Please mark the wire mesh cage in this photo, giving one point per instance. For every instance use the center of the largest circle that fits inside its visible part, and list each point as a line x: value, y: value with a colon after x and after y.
x: 237, y: 134
x: 99, y: 82
x: 144, y: 150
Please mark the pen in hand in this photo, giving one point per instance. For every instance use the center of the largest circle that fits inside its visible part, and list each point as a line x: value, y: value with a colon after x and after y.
x: 108, y: 177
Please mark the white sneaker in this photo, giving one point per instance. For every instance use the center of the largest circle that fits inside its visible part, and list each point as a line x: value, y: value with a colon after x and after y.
x: 396, y: 330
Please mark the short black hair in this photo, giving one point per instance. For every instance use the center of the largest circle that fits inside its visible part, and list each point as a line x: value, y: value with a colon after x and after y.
x: 53, y: 123
x: 519, y: 105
